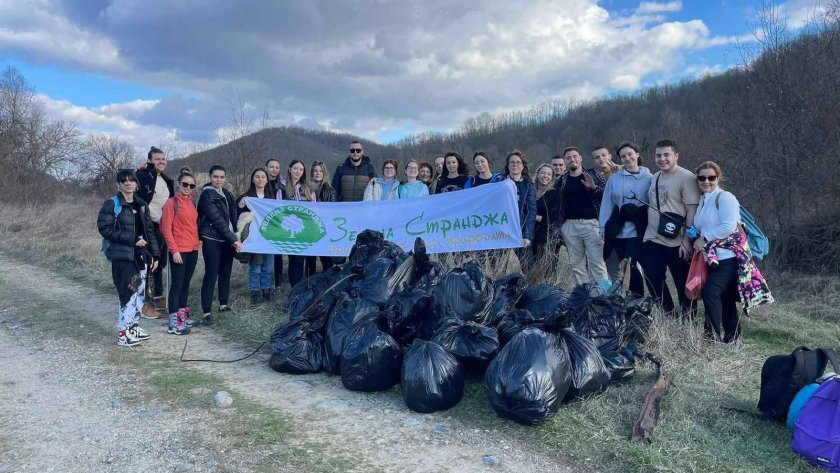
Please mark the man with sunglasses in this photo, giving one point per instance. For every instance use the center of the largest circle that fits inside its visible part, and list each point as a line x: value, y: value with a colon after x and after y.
x: 673, y: 197
x: 351, y: 178
x: 154, y: 187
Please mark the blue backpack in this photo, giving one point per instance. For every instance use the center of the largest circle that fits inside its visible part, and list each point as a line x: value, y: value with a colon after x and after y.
x: 758, y: 241
x: 117, y: 209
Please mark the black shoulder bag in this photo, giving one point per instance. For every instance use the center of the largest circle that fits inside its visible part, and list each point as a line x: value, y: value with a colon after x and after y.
x: 669, y: 222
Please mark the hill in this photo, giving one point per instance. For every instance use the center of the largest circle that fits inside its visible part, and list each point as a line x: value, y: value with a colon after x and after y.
x: 773, y: 125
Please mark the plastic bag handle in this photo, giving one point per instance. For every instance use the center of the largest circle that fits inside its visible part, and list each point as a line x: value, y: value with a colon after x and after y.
x: 829, y: 353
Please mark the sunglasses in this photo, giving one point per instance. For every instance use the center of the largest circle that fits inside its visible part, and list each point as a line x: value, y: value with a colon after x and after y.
x: 187, y: 184
x: 355, y: 150
x: 707, y: 178
x: 128, y: 179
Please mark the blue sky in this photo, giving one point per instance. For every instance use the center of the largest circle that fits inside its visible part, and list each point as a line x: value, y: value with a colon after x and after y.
x: 152, y: 71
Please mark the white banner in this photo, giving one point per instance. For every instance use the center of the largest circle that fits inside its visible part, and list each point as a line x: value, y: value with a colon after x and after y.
x: 482, y: 218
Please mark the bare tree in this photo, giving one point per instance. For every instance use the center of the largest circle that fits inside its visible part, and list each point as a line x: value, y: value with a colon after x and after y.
x: 104, y: 156
x: 243, y: 141
x: 31, y: 145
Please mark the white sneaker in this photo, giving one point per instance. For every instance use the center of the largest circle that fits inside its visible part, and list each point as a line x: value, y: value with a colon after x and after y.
x: 123, y: 339
x: 138, y: 332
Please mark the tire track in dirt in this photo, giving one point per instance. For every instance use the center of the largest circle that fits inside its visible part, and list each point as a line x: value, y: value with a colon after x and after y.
x: 373, y: 428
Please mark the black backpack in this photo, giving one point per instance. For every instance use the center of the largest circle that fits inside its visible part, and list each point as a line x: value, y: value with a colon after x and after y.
x: 782, y: 376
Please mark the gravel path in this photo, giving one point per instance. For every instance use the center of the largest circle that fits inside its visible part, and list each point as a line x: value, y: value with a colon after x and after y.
x: 64, y: 419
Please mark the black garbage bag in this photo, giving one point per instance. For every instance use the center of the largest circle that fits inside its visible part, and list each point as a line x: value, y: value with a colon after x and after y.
x: 432, y: 379
x: 638, y: 313
x: 514, y: 322
x: 506, y: 293
x: 367, y: 246
x: 371, y: 359
x: 620, y: 367
x: 296, y: 348
x: 473, y: 344
x: 407, y: 310
x: 597, y: 315
x: 428, y: 275
x: 373, y: 283
x: 346, y: 312
x: 546, y: 303
x: 311, y: 290
x: 530, y: 377
x: 463, y: 292
x: 589, y: 374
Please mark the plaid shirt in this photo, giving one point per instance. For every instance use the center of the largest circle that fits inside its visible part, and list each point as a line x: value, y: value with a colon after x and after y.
x: 597, y: 194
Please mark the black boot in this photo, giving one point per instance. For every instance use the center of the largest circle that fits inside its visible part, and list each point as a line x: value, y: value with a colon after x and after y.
x: 266, y: 294
x: 256, y: 297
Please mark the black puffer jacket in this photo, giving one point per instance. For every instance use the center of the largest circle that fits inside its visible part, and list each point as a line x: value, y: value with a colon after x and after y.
x: 146, y: 183
x: 351, y: 181
x: 217, y: 214
x: 120, y: 232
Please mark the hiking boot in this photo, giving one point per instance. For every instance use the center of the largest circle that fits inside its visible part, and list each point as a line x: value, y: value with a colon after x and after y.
x: 176, y: 327
x: 149, y: 311
x: 184, y: 316
x: 123, y: 339
x: 224, y: 308
x: 208, y: 320
x: 267, y: 295
x: 160, y: 303
x: 138, y: 332
x: 256, y: 298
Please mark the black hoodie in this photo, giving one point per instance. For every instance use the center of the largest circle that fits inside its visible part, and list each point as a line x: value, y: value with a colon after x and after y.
x: 350, y: 181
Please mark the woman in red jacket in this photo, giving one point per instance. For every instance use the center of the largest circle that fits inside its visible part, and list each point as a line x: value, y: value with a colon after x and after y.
x: 179, y: 225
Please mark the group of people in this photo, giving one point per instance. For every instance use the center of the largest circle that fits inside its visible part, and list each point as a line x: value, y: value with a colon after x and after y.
x: 601, y: 215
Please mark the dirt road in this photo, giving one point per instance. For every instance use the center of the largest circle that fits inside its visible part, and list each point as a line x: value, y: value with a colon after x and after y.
x: 73, y: 401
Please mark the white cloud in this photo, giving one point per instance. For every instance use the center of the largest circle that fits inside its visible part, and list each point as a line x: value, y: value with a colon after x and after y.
x: 658, y: 7
x: 800, y: 12
x: 367, y: 67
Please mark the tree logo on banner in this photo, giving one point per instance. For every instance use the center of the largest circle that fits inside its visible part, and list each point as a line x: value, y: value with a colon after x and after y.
x: 292, y: 228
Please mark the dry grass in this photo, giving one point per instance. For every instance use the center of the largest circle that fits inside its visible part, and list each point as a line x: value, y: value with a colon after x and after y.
x: 697, y: 433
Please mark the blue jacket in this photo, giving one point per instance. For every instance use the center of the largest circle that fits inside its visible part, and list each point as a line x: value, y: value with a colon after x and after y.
x: 527, y: 192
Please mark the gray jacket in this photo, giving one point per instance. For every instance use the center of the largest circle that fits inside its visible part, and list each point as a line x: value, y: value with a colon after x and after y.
x: 619, y: 191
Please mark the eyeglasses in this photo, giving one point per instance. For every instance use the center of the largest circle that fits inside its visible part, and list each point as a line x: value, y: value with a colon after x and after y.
x: 187, y: 184
x: 355, y: 150
x: 390, y: 168
x: 128, y: 179
x: 707, y: 178
x: 515, y: 163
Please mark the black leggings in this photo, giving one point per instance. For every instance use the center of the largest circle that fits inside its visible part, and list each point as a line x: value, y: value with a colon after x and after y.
x: 157, y: 274
x: 218, y: 262
x: 720, y: 295
x: 125, y: 275
x: 656, y: 259
x: 311, y: 261
x: 296, y: 270
x: 180, y: 276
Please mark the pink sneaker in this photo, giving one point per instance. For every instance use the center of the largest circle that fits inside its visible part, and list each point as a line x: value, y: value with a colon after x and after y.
x: 184, y: 317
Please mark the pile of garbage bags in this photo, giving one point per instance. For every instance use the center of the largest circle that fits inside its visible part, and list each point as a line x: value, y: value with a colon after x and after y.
x: 387, y: 317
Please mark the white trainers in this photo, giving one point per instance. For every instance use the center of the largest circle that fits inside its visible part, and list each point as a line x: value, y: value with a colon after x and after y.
x: 123, y: 339
x: 138, y: 332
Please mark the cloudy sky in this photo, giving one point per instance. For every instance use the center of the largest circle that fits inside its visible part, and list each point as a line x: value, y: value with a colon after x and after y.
x: 153, y: 71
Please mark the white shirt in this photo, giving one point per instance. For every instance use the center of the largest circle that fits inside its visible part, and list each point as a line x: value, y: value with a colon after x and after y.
x: 715, y: 223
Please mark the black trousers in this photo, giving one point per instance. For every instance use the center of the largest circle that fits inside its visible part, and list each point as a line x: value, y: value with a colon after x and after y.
x: 125, y: 275
x: 629, y: 248
x: 180, y: 276
x: 656, y: 259
x: 218, y: 263
x: 278, y: 270
x: 312, y: 261
x: 296, y: 269
x: 720, y: 296
x: 157, y: 274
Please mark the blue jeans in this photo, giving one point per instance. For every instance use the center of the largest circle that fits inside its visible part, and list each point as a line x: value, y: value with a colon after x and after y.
x: 261, y: 275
